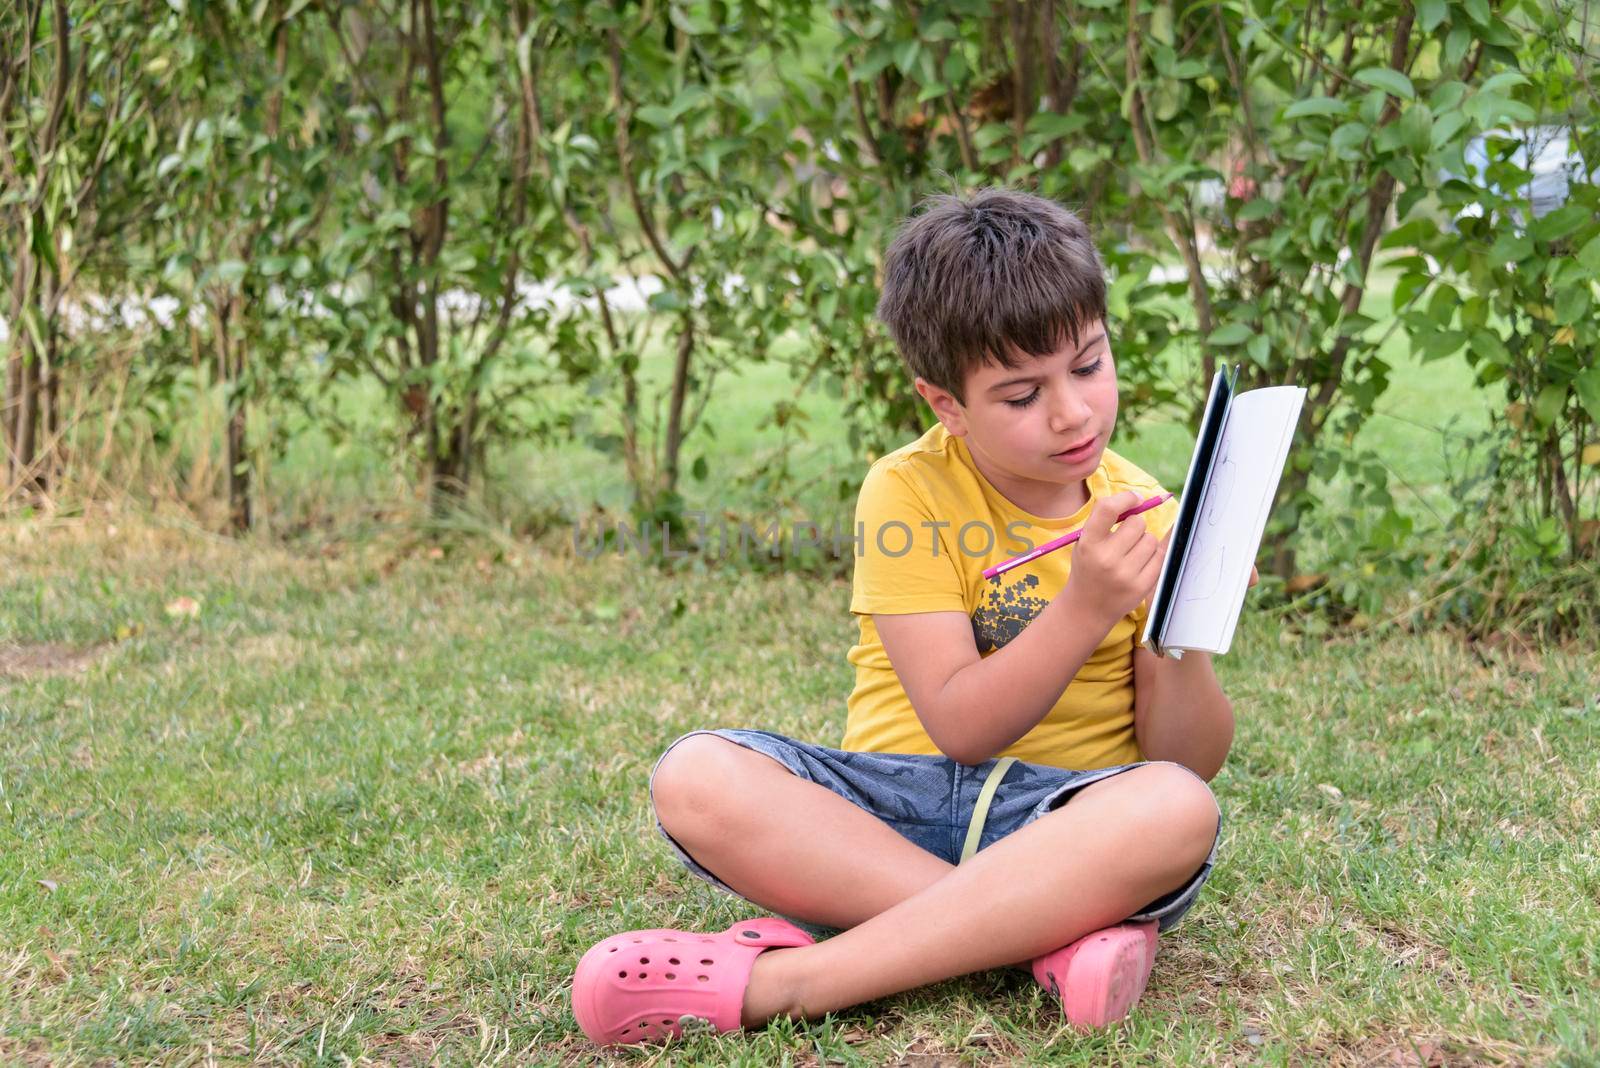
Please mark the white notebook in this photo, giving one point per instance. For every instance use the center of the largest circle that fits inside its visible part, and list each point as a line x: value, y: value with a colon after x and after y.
x: 1233, y: 475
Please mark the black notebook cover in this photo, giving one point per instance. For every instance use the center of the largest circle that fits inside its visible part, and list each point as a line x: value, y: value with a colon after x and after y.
x: 1205, y: 455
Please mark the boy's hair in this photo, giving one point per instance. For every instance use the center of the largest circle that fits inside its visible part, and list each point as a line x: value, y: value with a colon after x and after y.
x: 969, y: 280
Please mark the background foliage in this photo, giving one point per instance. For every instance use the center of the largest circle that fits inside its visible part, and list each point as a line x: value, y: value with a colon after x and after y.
x: 450, y: 231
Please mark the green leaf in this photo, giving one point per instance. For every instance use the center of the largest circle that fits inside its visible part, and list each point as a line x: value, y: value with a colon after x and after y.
x: 1230, y: 334
x: 1430, y: 13
x: 1390, y: 81
x: 1416, y: 128
x: 1165, y: 99
x: 1408, y: 286
x: 1315, y: 105
x: 1560, y: 223
x: 667, y: 300
x: 955, y: 68
x: 1477, y: 11
x: 229, y: 271
x: 1259, y: 208
x: 1587, y: 383
x: 1510, y: 247
x: 1445, y: 128
x: 1349, y: 138
x: 1049, y: 125
x: 1446, y: 96
x: 828, y: 306
x: 1161, y: 24
x: 1259, y: 350
x: 687, y: 233
x: 1572, y: 304
x: 1506, y: 79
x: 1442, y: 343
x: 1547, y: 408
x: 1442, y: 305
x: 699, y: 469
x: 1589, y: 254
x: 905, y: 56
x: 1490, y: 108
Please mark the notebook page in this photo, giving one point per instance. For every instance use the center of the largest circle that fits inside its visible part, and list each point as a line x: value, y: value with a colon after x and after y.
x: 1233, y: 515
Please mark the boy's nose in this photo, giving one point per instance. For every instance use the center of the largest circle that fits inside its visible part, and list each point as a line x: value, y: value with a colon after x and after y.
x: 1070, y: 411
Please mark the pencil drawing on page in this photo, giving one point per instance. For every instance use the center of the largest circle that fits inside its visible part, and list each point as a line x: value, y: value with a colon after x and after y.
x: 1210, y: 567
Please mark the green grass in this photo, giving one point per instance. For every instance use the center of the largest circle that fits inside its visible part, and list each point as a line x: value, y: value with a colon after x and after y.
x: 369, y: 804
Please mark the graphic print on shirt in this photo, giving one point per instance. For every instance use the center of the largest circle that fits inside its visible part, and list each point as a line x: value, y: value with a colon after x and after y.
x: 1009, y: 605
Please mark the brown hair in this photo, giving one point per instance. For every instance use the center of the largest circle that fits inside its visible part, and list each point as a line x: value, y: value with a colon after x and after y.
x: 970, y: 279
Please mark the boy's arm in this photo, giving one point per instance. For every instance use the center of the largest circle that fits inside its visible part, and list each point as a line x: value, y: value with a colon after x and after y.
x: 1180, y: 712
x: 973, y: 708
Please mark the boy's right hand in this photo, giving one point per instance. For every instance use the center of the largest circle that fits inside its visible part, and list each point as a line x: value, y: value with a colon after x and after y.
x: 1114, y: 570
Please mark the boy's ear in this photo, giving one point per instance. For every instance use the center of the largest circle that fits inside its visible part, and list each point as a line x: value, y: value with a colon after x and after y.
x: 944, y: 405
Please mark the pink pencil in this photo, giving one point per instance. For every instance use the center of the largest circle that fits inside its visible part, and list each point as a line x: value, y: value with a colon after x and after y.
x: 1067, y: 539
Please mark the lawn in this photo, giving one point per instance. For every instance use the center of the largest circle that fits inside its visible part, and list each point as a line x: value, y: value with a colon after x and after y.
x: 371, y: 802
x: 370, y: 799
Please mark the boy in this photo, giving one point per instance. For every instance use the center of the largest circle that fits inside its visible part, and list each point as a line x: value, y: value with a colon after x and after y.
x: 1019, y: 781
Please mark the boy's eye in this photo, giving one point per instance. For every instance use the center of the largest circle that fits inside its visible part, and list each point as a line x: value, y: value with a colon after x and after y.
x: 1088, y: 369
x: 1023, y: 402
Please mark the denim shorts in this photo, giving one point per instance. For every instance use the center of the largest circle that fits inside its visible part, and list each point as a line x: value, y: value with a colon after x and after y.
x: 929, y: 800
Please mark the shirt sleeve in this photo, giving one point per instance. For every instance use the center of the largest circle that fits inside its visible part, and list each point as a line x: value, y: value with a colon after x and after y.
x: 904, y: 563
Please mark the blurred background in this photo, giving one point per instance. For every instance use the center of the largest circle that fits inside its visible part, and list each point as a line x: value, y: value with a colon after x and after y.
x: 302, y: 269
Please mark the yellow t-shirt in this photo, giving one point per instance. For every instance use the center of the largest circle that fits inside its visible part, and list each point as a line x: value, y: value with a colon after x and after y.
x: 905, y: 564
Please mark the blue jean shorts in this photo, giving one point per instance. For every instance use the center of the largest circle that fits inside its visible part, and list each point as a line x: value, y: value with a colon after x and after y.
x: 929, y: 800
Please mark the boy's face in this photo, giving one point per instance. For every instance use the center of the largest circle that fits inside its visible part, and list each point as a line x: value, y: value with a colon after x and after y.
x: 1038, y: 431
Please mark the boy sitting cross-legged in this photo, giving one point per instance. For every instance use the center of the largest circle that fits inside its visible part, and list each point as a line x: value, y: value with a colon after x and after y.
x: 1019, y: 781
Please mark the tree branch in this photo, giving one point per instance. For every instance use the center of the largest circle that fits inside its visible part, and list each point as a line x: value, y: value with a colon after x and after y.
x: 1181, y: 237
x: 624, y: 118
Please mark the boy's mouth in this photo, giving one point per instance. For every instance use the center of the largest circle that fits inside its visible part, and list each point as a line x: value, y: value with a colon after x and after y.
x: 1081, y: 451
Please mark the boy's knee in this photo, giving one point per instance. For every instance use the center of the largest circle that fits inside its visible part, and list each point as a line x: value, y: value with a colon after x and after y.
x: 1187, y: 807
x: 692, y: 783
x: 1175, y: 805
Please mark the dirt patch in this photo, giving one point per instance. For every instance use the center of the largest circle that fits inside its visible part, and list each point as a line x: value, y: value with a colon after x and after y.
x: 47, y: 660
x: 34, y: 1051
x: 1400, y: 1050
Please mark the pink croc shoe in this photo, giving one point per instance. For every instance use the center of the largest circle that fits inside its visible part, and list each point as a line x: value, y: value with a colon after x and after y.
x: 1100, y: 976
x: 648, y: 985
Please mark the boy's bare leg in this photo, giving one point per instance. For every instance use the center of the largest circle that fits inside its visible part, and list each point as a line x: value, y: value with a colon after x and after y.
x: 1118, y: 845
x: 791, y: 845
x: 1121, y: 843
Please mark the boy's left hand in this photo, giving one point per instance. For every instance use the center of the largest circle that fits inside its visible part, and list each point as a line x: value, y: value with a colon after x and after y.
x: 1255, y: 576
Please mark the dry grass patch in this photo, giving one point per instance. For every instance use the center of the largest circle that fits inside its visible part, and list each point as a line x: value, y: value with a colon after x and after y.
x: 48, y: 659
